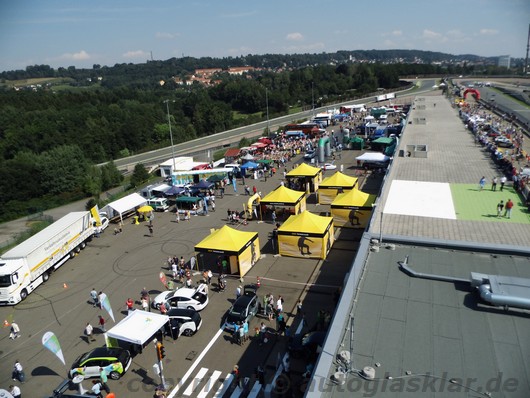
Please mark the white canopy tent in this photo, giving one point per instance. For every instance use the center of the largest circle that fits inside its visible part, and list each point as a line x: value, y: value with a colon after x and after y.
x: 123, y: 205
x: 372, y: 157
x: 138, y: 327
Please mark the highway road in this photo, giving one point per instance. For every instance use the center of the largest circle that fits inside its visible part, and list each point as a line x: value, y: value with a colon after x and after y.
x: 200, y: 146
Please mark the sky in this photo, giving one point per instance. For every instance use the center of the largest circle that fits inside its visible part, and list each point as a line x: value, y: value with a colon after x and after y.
x: 82, y: 33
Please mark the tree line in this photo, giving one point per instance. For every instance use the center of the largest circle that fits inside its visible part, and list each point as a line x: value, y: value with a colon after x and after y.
x: 51, y: 140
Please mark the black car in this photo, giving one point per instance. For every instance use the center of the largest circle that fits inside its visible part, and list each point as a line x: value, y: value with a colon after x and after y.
x: 244, y: 308
x: 306, y: 345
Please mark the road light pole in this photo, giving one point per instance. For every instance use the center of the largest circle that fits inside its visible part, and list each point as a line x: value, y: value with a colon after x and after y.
x: 267, y: 102
x: 312, y: 102
x: 170, y: 136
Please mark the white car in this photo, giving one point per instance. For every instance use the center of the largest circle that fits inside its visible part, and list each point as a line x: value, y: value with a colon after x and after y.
x: 328, y: 166
x: 193, y: 299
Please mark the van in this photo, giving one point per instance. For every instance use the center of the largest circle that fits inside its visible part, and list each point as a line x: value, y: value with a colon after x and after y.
x: 158, y: 204
x: 183, y: 322
x: 295, y: 134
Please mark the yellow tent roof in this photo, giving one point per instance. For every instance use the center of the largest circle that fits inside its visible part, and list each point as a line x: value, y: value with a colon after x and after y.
x: 226, y: 239
x: 306, y: 222
x: 304, y: 170
x: 355, y: 197
x: 338, y: 180
x: 283, y: 195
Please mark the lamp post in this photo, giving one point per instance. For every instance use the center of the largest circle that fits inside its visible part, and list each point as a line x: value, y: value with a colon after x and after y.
x: 312, y: 102
x: 170, y: 135
x: 267, y: 102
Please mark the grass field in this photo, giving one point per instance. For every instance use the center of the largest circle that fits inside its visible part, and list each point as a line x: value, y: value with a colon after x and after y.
x: 475, y: 205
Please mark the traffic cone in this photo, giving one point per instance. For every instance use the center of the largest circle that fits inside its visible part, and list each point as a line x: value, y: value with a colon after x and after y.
x: 6, y: 323
x: 65, y: 285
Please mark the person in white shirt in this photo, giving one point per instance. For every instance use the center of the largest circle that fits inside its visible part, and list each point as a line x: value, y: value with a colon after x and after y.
x: 279, y: 304
x: 15, y: 391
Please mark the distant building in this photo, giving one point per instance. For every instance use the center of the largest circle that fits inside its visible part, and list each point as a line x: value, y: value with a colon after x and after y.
x: 504, y: 61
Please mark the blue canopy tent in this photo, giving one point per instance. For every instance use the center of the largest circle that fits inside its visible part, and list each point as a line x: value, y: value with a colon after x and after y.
x: 250, y: 165
x: 174, y: 191
x: 203, y: 184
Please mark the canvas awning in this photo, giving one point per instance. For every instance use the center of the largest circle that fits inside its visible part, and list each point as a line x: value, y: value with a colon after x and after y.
x: 354, y: 199
x: 373, y: 157
x: 283, y: 196
x: 304, y: 170
x: 307, y: 224
x: 126, y: 204
x: 138, y: 327
x: 226, y: 240
x: 338, y: 180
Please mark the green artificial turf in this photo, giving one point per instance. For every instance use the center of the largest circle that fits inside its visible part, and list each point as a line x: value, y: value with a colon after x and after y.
x: 475, y: 205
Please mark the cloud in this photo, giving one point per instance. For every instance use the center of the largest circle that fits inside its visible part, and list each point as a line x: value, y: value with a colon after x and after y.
x: 136, y: 54
x: 166, y: 35
x: 489, y: 32
x: 79, y: 56
x: 397, y: 33
x: 294, y: 36
x: 430, y: 35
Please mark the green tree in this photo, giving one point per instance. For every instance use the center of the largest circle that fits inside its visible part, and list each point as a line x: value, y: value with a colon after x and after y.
x: 243, y: 142
x: 63, y: 170
x: 139, y: 176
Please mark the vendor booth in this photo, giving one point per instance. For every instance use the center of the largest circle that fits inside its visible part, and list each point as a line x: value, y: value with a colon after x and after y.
x: 241, y: 249
x: 290, y: 202
x: 124, y: 207
x: 138, y: 328
x: 306, y: 235
x: 333, y: 185
x: 352, y: 209
x: 304, y: 178
x: 193, y: 204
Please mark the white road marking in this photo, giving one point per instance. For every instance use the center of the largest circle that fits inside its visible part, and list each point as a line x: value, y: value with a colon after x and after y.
x: 196, y: 381
x: 195, y: 364
x: 209, y: 384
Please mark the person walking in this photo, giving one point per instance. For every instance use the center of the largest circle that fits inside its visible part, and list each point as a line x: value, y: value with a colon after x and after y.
x: 508, y: 209
x: 100, y: 299
x: 145, y: 304
x: 245, y: 331
x: 500, y: 206
x: 15, y: 391
x: 102, y: 323
x: 151, y: 230
x: 503, y: 181
x: 94, y: 297
x: 18, y: 372
x: 482, y: 183
x: 273, y: 216
x: 15, y: 331
x: 241, y: 331
x: 494, y: 184
x: 89, y: 332
x: 96, y: 389
x: 104, y: 378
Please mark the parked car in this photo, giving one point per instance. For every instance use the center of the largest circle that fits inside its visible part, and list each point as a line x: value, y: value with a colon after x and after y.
x: 115, y: 361
x: 158, y: 204
x: 183, y: 322
x: 310, y: 154
x: 503, y: 142
x: 244, y: 308
x: 328, y: 166
x: 194, y: 299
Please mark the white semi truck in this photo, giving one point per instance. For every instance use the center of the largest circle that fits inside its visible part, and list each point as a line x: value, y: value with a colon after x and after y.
x: 29, y: 264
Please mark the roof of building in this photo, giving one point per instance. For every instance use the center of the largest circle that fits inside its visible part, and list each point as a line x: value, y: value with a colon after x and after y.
x: 430, y: 338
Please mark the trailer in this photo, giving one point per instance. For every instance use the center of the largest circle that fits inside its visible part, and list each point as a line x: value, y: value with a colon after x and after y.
x: 30, y: 264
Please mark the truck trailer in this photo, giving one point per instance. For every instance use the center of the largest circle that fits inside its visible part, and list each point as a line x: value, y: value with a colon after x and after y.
x: 29, y: 264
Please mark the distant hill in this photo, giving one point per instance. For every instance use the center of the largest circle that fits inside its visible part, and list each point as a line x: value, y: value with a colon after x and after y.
x: 182, y: 66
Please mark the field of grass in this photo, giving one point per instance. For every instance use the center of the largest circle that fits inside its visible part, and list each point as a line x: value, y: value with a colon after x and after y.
x: 475, y: 205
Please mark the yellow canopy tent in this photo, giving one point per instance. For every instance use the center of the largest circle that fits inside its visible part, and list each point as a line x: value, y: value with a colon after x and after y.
x: 303, y: 175
x: 294, y: 202
x: 331, y: 186
x: 306, y: 235
x: 352, y: 209
x: 145, y: 209
x: 241, y: 248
